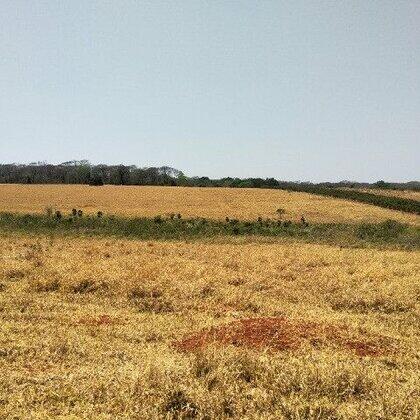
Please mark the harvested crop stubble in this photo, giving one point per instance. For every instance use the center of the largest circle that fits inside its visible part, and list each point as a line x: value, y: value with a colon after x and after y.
x: 87, y: 328
x: 214, y: 203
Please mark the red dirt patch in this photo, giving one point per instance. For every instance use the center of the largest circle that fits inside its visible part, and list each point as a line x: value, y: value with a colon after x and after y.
x: 281, y: 334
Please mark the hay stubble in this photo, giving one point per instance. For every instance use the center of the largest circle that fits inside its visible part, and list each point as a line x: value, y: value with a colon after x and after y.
x: 88, y: 326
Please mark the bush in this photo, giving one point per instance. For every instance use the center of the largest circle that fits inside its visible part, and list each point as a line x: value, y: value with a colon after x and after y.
x: 280, y: 212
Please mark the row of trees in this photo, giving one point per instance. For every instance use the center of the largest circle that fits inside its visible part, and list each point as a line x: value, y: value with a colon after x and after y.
x: 82, y: 172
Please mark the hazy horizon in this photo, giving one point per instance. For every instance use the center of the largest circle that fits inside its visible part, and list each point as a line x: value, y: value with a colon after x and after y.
x: 309, y: 91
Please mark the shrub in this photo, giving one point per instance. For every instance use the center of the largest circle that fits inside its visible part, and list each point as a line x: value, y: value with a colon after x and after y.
x: 180, y: 406
x: 280, y: 212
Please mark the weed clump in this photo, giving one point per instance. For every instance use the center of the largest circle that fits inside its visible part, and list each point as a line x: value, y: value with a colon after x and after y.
x: 280, y: 212
x: 180, y: 406
x: 150, y: 301
x: 15, y: 275
x: 303, y: 221
x: 48, y: 286
x: 84, y: 286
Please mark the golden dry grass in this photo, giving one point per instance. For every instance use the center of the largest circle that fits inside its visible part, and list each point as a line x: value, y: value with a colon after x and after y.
x: 88, y: 325
x: 215, y: 203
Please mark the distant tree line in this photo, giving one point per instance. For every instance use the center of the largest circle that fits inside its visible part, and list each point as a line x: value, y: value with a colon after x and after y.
x: 82, y: 172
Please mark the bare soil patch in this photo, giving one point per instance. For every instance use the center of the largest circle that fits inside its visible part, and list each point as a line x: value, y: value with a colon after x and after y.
x: 280, y: 334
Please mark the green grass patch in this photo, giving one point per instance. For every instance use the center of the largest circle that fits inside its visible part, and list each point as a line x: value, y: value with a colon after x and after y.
x: 387, y: 234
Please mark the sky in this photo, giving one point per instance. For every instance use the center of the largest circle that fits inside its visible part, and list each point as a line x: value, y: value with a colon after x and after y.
x: 295, y: 90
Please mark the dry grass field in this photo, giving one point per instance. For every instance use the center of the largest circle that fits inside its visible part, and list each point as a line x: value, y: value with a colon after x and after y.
x: 215, y: 203
x: 229, y: 328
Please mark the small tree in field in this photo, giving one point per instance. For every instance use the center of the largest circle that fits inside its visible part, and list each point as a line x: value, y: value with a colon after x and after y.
x: 280, y: 212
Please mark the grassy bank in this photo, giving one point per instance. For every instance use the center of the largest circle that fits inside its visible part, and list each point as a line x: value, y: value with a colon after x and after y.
x: 388, y: 234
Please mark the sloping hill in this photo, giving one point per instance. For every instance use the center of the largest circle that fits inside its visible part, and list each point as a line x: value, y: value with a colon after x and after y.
x: 214, y: 203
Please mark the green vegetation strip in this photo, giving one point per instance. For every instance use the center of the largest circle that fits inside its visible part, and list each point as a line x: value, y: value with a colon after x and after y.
x: 390, y: 202
x: 389, y: 234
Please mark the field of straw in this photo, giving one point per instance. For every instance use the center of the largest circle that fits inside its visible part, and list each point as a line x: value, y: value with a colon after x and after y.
x: 229, y: 328
x: 215, y: 203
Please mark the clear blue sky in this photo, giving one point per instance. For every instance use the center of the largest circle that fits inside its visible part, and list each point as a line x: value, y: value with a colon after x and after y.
x: 297, y: 90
